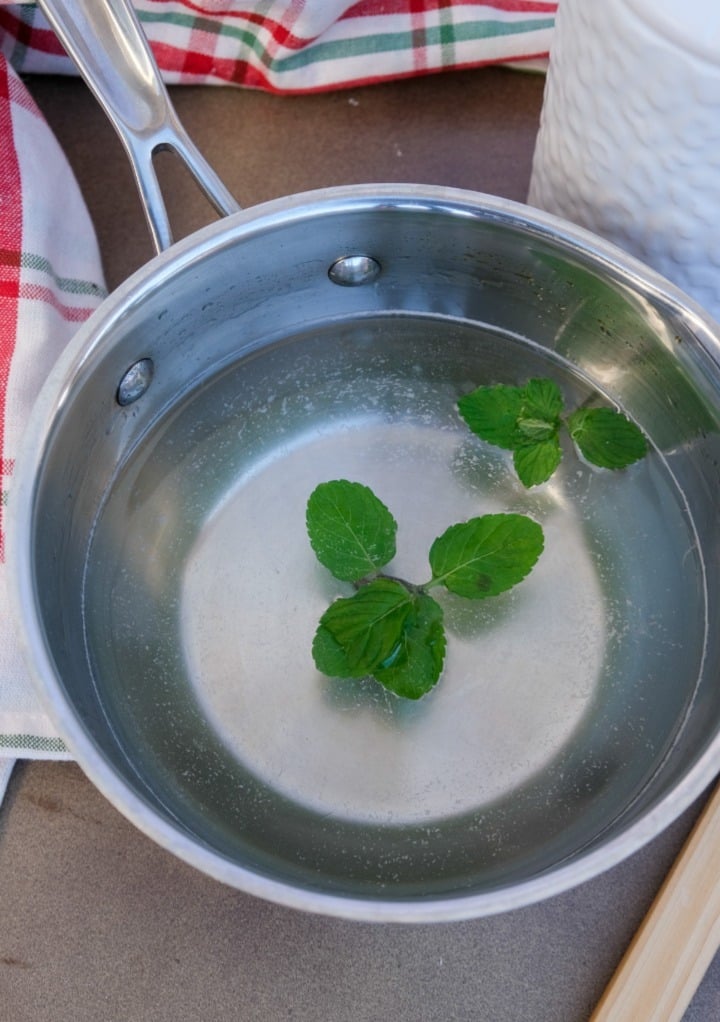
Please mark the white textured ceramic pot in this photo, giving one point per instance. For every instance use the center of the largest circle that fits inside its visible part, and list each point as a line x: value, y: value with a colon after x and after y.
x: 629, y: 143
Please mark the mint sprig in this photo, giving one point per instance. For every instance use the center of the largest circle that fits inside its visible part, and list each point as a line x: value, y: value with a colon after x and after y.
x: 391, y: 629
x: 529, y: 420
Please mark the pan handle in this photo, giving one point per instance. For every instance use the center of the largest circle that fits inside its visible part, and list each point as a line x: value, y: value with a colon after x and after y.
x: 111, y: 52
x: 679, y: 938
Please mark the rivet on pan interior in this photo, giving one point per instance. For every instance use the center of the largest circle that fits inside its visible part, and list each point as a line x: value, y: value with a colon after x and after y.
x: 350, y: 271
x: 135, y: 382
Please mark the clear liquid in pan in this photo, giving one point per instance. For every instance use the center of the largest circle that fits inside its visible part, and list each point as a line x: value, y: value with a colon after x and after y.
x: 203, y: 595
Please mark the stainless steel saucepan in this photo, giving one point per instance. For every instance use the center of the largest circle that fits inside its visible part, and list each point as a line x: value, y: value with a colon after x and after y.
x: 168, y: 594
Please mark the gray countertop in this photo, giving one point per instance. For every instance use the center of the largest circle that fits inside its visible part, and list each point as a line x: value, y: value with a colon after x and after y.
x: 99, y: 923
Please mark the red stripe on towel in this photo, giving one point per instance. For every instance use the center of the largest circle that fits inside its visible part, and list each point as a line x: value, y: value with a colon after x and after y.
x: 11, y: 246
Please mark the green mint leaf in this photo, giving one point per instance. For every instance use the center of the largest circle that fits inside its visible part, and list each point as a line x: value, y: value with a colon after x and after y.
x: 492, y: 414
x: 486, y: 555
x: 606, y: 438
x: 330, y: 658
x: 350, y: 529
x: 534, y: 431
x: 367, y: 627
x: 537, y: 427
x: 418, y: 661
x: 535, y: 463
x: 542, y: 399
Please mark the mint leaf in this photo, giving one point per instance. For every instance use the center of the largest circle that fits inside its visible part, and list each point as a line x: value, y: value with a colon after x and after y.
x: 538, y: 453
x: 486, y: 555
x: 350, y: 529
x: 492, y: 413
x: 533, y: 431
x: 418, y: 661
x: 330, y: 658
x: 607, y: 438
x: 542, y: 399
x: 367, y: 627
x: 536, y: 462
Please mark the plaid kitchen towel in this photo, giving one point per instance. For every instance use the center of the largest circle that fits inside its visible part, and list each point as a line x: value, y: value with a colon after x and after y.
x: 50, y: 281
x: 306, y: 45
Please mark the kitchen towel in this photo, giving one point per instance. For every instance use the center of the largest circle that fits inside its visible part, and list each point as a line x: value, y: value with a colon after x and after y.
x: 50, y: 282
x: 306, y: 45
x: 50, y: 269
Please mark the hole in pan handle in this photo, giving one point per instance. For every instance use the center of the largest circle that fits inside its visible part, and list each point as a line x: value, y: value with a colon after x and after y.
x: 110, y: 50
